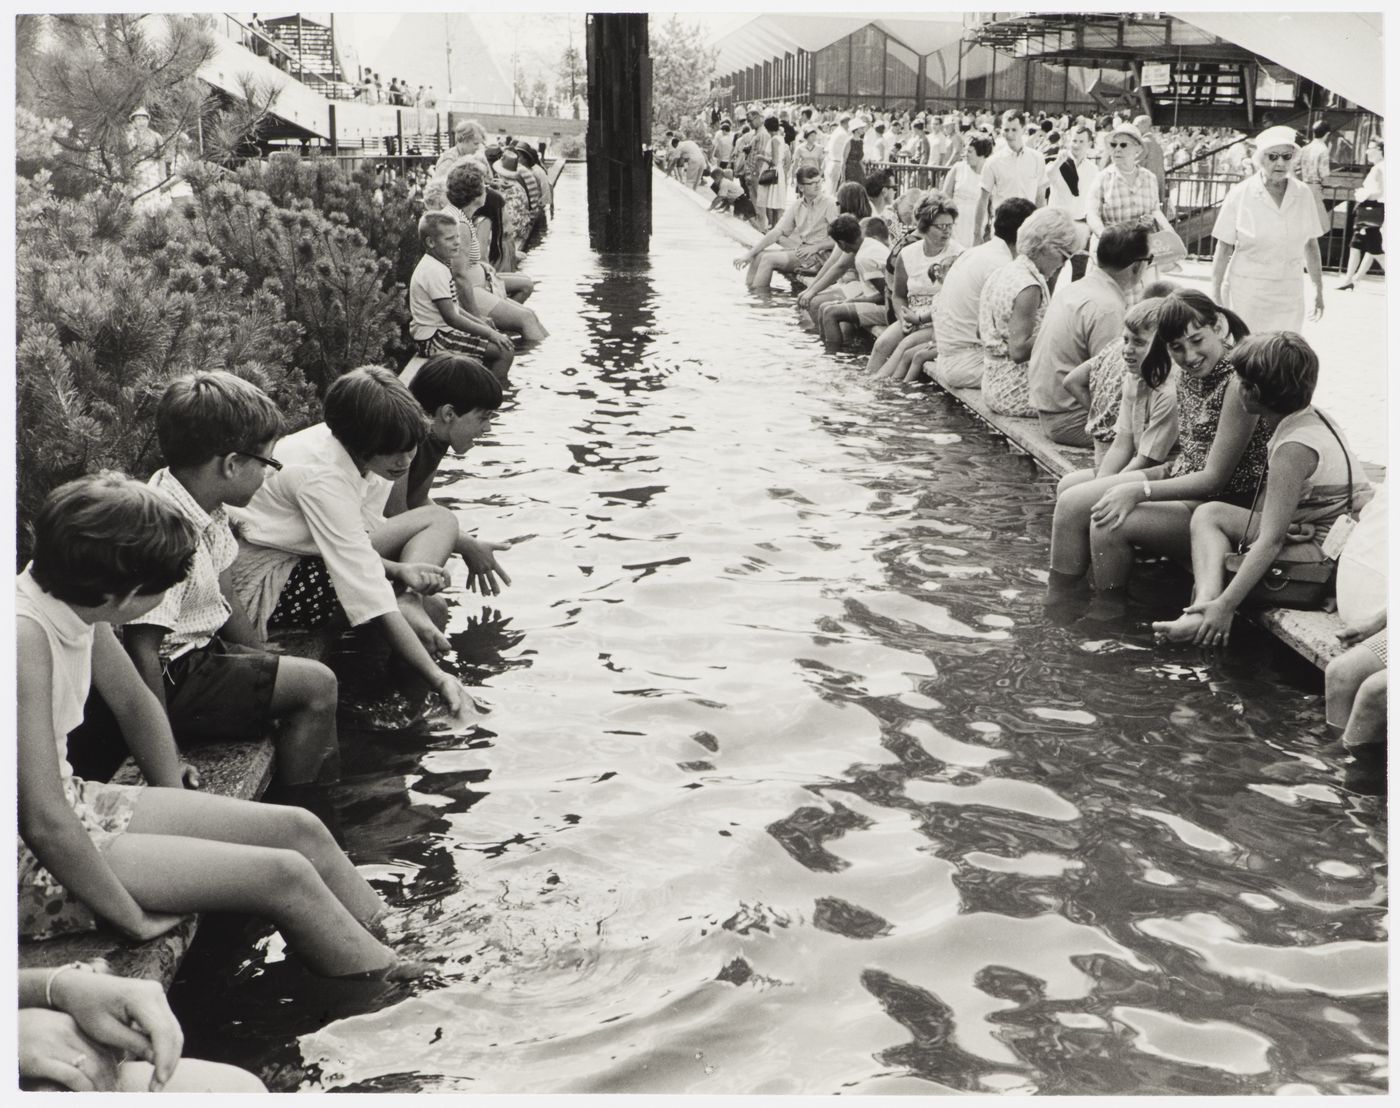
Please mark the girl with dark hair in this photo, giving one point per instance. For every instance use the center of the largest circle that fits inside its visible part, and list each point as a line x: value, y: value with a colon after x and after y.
x: 1313, y: 479
x: 1222, y: 453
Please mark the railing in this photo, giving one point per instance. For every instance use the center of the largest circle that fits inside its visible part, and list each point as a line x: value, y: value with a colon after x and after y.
x: 907, y: 175
x: 265, y: 46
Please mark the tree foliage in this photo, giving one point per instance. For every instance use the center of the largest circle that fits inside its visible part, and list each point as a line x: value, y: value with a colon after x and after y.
x: 91, y: 71
x: 110, y: 307
x: 572, y: 79
x: 682, y: 66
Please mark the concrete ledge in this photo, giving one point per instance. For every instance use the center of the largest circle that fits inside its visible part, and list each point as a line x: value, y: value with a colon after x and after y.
x: 242, y: 770
x: 1311, y: 634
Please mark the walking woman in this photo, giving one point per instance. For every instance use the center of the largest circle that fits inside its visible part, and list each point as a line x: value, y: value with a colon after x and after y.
x: 1266, y: 232
x: 1367, y: 242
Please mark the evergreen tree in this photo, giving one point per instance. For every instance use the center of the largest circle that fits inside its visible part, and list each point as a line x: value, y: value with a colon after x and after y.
x: 573, y: 74
x: 682, y: 67
x: 91, y: 71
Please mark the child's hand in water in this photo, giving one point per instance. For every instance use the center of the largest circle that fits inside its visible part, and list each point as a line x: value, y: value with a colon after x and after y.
x: 422, y: 577
x: 461, y: 705
x: 481, y: 562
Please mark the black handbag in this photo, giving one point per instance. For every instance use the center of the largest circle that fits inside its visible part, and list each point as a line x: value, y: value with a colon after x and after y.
x: 1289, y: 583
x: 768, y: 177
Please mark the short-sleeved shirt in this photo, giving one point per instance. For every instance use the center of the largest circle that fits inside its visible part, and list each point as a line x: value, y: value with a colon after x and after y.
x: 723, y: 146
x: 1147, y: 417
x: 1116, y: 198
x: 1009, y: 174
x: 956, y: 309
x: 320, y: 503
x: 1314, y: 163
x: 1107, y: 371
x: 431, y: 281
x: 869, y: 265
x: 1072, y: 200
x: 730, y: 189
x: 806, y: 223
x: 1200, y: 401
x: 1268, y: 238
x: 194, y: 609
x: 1078, y: 324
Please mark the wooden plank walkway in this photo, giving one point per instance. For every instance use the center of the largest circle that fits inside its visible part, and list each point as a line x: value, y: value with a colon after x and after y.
x: 1313, y: 635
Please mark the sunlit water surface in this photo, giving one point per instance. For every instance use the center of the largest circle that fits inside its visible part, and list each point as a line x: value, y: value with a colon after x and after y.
x: 789, y: 788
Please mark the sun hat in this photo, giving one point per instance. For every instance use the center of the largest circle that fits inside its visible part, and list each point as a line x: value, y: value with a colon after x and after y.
x: 139, y: 110
x: 1129, y: 130
x: 1276, y: 136
x: 859, y: 121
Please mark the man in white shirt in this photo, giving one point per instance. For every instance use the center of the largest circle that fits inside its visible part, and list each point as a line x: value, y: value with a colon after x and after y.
x: 876, y: 146
x: 723, y: 148
x: 955, y: 311
x: 1072, y: 174
x: 836, y: 152
x: 1015, y: 171
x: 861, y: 301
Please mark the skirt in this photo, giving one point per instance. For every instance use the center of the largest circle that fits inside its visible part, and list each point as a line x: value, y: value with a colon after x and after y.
x: 1267, y: 305
x: 1006, y: 387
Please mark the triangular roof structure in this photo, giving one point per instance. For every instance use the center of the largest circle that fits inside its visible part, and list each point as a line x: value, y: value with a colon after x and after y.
x: 447, y: 51
x: 769, y: 36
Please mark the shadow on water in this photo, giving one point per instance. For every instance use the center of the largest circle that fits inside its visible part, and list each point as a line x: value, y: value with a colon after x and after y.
x: 791, y: 787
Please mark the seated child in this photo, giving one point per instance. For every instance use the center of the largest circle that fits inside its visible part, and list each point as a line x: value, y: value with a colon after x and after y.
x: 438, y: 321
x: 196, y: 650
x: 316, y: 548
x: 862, y: 303
x: 1356, y: 678
x: 106, y: 548
x: 1313, y: 479
x: 1115, y: 374
x: 459, y: 397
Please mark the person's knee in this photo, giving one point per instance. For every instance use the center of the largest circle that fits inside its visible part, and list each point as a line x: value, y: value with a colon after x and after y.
x: 291, y: 877
x: 1348, y: 671
x: 1210, y: 516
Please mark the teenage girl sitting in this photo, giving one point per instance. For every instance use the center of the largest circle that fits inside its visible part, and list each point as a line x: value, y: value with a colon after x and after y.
x: 316, y: 548
x: 1222, y: 452
x: 106, y: 548
x: 1313, y: 479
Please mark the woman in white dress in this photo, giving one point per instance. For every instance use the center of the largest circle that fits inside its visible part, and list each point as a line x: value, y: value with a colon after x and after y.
x: 772, y: 199
x: 964, y: 185
x: 1265, y: 233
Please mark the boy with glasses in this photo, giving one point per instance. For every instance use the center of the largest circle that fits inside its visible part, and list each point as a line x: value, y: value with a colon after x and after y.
x: 197, y: 650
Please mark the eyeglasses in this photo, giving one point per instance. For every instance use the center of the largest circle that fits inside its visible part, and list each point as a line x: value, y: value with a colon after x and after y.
x: 1148, y: 259
x: 1121, y: 145
x: 273, y: 463
x: 1287, y: 156
x: 944, y: 227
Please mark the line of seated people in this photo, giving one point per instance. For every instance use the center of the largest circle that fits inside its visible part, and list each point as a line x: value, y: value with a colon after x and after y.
x: 1186, y: 412
x: 139, y: 594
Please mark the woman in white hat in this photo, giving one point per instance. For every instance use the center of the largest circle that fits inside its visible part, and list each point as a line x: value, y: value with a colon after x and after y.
x: 1265, y: 233
x: 854, y: 168
x: 1125, y: 191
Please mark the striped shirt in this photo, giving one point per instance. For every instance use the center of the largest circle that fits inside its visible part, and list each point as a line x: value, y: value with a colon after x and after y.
x: 194, y: 609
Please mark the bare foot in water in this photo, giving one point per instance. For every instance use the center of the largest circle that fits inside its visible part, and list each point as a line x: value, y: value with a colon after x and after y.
x: 433, y: 640
x: 1181, y: 629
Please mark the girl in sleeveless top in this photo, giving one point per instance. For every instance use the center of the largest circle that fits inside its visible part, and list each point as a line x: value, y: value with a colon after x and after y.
x: 1313, y: 479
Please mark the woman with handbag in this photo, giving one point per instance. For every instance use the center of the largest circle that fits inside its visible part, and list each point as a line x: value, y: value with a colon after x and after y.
x: 1126, y: 191
x: 1265, y: 233
x: 1367, y: 241
x: 771, y: 198
x: 1222, y: 451
x: 1282, y: 553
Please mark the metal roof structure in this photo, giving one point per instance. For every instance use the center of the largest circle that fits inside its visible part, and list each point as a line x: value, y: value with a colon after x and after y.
x: 765, y: 37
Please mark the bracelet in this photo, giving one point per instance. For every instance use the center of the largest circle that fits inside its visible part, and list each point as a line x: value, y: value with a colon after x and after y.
x: 53, y: 976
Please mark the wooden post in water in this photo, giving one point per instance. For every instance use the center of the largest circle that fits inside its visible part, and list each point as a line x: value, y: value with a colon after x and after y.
x: 619, y: 133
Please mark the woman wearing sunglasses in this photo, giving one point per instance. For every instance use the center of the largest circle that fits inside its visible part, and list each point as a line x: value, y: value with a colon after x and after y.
x: 1267, y: 232
x: 1125, y: 191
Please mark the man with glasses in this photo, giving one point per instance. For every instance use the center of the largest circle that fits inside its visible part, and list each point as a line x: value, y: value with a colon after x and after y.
x: 803, y: 234
x: 1081, y: 322
x: 1016, y: 171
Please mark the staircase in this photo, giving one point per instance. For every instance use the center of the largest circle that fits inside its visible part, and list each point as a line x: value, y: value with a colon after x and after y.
x: 311, y: 47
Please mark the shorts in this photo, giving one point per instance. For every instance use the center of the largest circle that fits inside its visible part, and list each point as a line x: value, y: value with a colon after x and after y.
x: 447, y: 340
x: 1376, y: 645
x: 222, y: 690
x: 870, y: 315
x: 46, y: 908
x: 743, y: 207
x: 308, y: 598
x: 1066, y: 428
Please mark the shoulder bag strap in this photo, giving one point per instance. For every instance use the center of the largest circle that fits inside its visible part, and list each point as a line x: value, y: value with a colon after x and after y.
x: 1346, y: 456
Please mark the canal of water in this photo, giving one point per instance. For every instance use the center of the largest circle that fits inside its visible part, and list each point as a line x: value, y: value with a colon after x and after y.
x: 790, y: 788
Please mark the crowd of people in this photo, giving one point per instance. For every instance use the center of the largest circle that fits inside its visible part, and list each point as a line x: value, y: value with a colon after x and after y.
x: 1038, y: 275
x: 144, y: 616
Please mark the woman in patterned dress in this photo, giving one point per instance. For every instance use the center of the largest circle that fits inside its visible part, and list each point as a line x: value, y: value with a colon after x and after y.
x: 1125, y: 191
x: 1013, y: 302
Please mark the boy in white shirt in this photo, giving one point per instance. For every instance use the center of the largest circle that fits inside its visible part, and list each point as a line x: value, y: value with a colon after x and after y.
x: 863, y: 299
x: 439, y: 324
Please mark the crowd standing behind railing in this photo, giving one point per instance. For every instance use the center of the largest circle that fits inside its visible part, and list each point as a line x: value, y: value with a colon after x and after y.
x: 1035, y: 275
